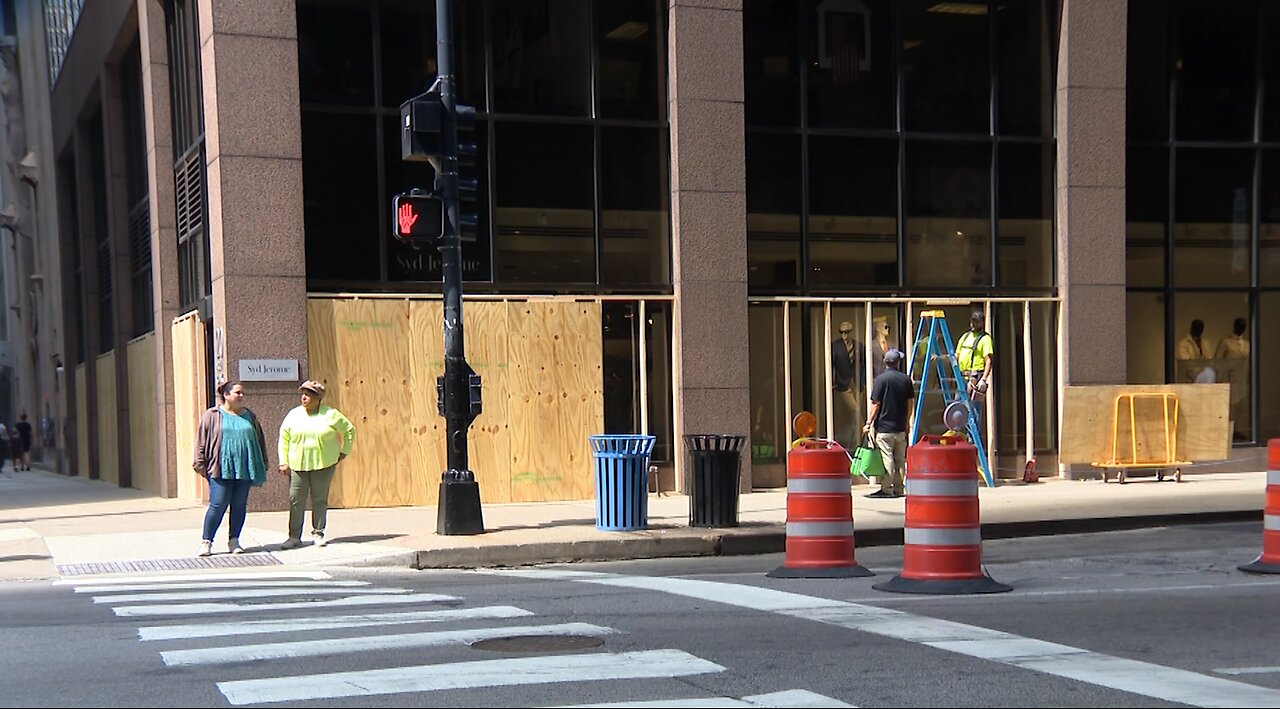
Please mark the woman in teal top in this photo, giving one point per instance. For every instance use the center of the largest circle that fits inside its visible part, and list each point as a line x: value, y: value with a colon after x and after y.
x: 314, y: 438
x: 231, y: 452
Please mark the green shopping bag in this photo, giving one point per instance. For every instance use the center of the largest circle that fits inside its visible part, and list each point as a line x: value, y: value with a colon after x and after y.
x: 867, y: 461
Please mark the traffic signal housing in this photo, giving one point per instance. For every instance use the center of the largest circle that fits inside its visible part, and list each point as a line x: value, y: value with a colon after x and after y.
x: 418, y: 217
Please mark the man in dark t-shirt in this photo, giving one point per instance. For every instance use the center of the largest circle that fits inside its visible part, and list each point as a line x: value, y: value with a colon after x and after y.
x: 24, y: 433
x: 891, y: 397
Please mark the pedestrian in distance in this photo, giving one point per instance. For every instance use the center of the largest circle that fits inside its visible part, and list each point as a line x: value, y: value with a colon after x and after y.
x: 24, y: 432
x: 891, y: 395
x: 231, y: 453
x: 314, y: 438
x: 15, y: 447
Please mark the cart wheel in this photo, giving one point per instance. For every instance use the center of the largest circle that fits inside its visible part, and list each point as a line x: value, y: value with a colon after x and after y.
x: 1177, y: 475
x: 1106, y: 477
x: 1159, y: 475
x: 1120, y: 477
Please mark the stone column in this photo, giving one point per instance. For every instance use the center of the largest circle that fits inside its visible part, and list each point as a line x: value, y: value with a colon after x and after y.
x: 87, y: 233
x: 117, y: 191
x: 709, y: 212
x: 253, y: 144
x: 164, y: 231
x: 1090, y: 193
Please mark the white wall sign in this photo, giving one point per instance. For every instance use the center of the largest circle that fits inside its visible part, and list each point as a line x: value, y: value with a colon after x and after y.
x: 268, y: 370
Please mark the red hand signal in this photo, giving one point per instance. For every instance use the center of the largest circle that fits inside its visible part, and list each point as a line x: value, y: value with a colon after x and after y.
x: 406, y: 217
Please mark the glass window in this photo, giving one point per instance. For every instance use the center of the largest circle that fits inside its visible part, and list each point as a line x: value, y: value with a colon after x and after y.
x: 635, y: 242
x: 340, y: 196
x: 771, y: 63
x: 773, y: 211
x: 541, y: 57
x: 1025, y: 248
x: 1269, y: 214
x: 545, y: 226
x: 846, y: 356
x: 946, y: 66
x: 770, y: 429
x: 1146, y: 215
x: 1271, y: 71
x: 335, y: 54
x: 853, y: 213
x: 627, y: 48
x: 948, y: 215
x: 1215, y: 62
x: 1147, y: 82
x: 408, y: 45
x: 1145, y: 343
x: 852, y: 67
x: 1025, y: 45
x: 1212, y: 216
x: 1211, y: 344
x: 1269, y: 351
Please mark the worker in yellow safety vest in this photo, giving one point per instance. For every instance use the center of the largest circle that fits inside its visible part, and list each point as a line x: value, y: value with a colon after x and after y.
x: 973, y: 354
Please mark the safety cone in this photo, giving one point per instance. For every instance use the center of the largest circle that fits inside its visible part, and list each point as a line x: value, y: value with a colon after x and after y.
x: 1269, y: 561
x: 819, y: 514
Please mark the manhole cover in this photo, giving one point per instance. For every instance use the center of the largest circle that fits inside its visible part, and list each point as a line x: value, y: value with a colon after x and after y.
x: 538, y: 643
x: 220, y: 561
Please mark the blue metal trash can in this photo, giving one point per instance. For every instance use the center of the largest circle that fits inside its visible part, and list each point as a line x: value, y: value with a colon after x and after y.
x: 622, y: 487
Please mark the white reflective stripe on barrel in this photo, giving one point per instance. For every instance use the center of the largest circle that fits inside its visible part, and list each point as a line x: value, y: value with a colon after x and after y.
x: 820, y: 529
x: 808, y: 485
x: 1271, y: 523
x: 942, y: 537
x: 943, y: 488
x: 1273, y: 477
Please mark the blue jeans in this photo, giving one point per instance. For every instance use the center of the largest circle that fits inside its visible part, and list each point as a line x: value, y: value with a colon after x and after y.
x: 221, y: 493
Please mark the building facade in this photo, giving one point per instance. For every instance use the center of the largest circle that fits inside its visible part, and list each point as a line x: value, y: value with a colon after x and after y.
x: 694, y: 217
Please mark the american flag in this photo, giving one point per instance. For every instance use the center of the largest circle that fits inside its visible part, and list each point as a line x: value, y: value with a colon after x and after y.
x: 844, y: 45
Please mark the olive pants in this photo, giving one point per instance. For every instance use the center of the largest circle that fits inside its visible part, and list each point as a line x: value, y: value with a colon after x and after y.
x: 313, y: 484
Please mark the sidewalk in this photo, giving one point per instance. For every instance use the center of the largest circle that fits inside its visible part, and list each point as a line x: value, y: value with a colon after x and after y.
x: 53, y: 525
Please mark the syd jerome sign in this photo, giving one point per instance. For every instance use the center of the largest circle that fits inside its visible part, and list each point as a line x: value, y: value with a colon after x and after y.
x: 268, y: 370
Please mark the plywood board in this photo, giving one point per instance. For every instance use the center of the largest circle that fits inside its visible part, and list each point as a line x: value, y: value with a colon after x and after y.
x: 142, y: 413
x: 489, y: 439
x: 426, y: 431
x: 1203, y: 430
x: 190, y: 365
x: 108, y: 439
x: 82, y: 423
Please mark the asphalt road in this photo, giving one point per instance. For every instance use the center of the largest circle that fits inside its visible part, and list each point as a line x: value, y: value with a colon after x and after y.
x: 1137, y: 618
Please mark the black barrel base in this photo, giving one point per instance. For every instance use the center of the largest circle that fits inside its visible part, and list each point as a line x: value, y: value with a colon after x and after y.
x: 986, y: 584
x: 828, y: 572
x: 1258, y: 566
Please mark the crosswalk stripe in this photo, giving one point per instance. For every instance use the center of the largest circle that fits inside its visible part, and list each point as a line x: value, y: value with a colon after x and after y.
x: 216, y: 584
x: 469, y: 675
x: 235, y: 576
x: 1246, y: 670
x: 788, y: 698
x: 244, y: 594
x: 209, y: 608
x: 1142, y: 678
x: 338, y: 646
x: 254, y: 627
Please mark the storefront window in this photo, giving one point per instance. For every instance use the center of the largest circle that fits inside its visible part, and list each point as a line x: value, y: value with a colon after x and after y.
x: 634, y: 237
x: 1212, y: 217
x: 946, y: 67
x: 1147, y: 210
x: 1215, y: 60
x: 771, y: 63
x: 1026, y: 216
x: 853, y: 67
x: 853, y: 213
x: 1212, y: 336
x: 340, y: 215
x: 1145, y: 341
x: 773, y: 211
x: 627, y: 34
x: 541, y: 57
x: 1269, y: 351
x: 1269, y: 216
x: 948, y: 230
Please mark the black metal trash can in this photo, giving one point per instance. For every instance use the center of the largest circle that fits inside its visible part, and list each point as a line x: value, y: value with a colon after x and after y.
x: 715, y: 463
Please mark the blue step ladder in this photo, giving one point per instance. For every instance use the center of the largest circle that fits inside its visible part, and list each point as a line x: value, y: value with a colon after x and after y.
x: 933, y: 351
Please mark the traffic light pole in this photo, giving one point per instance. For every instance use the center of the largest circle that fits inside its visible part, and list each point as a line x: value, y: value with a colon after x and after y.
x: 458, y: 510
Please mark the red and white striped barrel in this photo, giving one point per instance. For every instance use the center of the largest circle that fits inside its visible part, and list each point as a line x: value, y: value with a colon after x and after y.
x: 819, y: 514
x: 942, y: 535
x: 1269, y: 562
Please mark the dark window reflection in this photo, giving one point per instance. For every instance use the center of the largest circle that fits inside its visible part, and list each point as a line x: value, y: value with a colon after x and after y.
x: 1212, y: 207
x: 1271, y: 70
x: 771, y: 62
x: 948, y: 215
x: 1026, y: 215
x: 945, y: 66
x: 635, y: 244
x: 853, y: 204
x: 340, y: 196
x: 327, y: 74
x: 627, y: 37
x: 1269, y: 229
x: 773, y: 211
x: 545, y: 228
x: 852, y: 65
x: 541, y: 57
x: 1148, y: 66
x: 1025, y: 66
x: 1215, y: 60
x: 408, y: 45
x: 1146, y: 215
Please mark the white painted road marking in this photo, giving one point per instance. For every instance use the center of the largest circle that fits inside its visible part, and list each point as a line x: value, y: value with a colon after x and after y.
x: 1246, y: 670
x: 237, y: 576
x: 254, y: 627
x: 208, y: 608
x: 789, y: 698
x: 243, y: 594
x: 1142, y: 678
x: 216, y: 584
x: 338, y: 646
x: 469, y: 675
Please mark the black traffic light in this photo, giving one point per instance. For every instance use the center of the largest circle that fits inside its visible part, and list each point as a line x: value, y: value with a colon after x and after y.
x: 468, y: 183
x: 418, y: 217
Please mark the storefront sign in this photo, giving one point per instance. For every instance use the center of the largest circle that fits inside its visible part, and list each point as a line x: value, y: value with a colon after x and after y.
x: 268, y: 370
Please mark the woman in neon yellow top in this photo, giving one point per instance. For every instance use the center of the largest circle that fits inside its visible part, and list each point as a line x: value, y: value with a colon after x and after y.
x: 314, y: 438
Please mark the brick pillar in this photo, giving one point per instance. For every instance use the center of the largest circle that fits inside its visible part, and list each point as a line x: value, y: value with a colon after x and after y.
x: 1090, y: 193
x: 253, y: 134
x: 709, y: 207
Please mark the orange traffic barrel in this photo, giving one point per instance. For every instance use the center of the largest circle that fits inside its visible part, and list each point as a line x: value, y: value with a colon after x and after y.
x: 819, y: 514
x: 1269, y: 562
x: 942, y: 539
